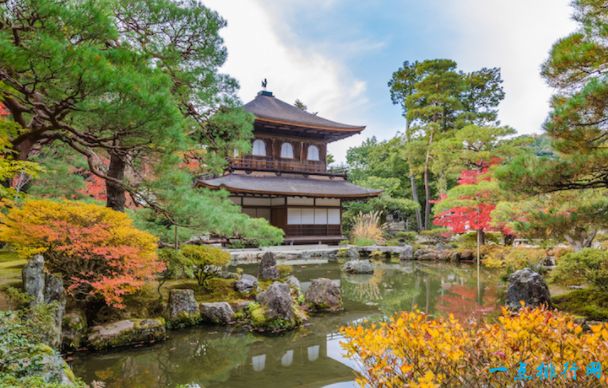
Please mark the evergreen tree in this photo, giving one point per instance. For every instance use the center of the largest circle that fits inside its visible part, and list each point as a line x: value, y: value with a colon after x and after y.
x: 578, y: 122
x: 438, y: 99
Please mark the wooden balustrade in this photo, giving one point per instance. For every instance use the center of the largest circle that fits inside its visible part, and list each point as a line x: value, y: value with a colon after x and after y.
x: 269, y: 164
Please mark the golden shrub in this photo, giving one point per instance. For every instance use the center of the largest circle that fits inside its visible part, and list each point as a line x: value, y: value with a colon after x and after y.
x: 414, y: 350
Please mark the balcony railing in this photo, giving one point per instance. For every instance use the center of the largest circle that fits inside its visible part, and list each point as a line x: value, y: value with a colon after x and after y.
x: 269, y: 164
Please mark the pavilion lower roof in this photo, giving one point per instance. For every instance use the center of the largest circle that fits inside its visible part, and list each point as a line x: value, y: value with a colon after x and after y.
x: 288, y: 186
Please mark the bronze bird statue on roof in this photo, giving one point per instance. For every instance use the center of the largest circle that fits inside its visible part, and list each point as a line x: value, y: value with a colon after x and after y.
x: 264, y: 83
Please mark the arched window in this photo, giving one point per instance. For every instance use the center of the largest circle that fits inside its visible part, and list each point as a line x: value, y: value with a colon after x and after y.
x: 286, y: 151
x: 259, y: 148
x: 313, y: 153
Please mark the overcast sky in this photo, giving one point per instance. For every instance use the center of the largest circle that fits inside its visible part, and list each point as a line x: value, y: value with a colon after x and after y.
x: 338, y: 55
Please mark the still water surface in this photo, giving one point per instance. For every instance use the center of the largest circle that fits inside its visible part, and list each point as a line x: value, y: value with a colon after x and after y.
x: 308, y: 357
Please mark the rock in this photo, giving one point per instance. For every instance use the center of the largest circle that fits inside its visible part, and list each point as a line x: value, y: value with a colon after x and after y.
x: 127, y: 332
x: 267, y: 260
x: 407, y: 253
x: 45, y: 288
x: 219, y: 313
x: 432, y: 254
x: 239, y: 306
x: 268, y: 267
x: 527, y: 286
x: 74, y: 330
x: 277, y: 302
x: 55, y: 293
x: 324, y: 295
x: 549, y: 261
x: 228, y: 275
x: 358, y: 266
x: 270, y: 273
x: 182, y: 309
x: 353, y: 253
x: 34, y: 278
x: 466, y: 255
x: 54, y: 369
x: 294, y: 283
x: 246, y: 284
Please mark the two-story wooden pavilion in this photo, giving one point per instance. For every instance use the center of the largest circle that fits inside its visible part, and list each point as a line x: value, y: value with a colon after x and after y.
x: 285, y: 178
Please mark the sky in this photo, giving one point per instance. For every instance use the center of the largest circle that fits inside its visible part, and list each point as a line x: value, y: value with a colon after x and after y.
x: 338, y: 55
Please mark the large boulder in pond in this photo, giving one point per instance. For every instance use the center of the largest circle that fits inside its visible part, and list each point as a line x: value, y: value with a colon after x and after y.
x: 268, y: 267
x: 527, y: 286
x: 275, y: 310
x: 74, y: 330
x: 358, y: 267
x: 127, y: 332
x: 324, y: 295
x: 246, y: 284
x: 277, y: 302
x: 219, y: 313
x: 182, y: 309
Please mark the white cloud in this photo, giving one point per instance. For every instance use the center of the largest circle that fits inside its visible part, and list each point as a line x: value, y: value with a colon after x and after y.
x: 259, y: 47
x: 516, y: 36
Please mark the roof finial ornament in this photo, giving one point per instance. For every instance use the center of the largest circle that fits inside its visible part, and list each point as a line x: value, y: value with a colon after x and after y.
x: 264, y: 83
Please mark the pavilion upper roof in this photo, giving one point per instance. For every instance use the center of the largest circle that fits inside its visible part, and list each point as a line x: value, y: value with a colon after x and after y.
x: 269, y: 109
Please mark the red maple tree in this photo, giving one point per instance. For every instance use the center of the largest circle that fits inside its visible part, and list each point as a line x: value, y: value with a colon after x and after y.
x: 469, y: 205
x: 3, y: 110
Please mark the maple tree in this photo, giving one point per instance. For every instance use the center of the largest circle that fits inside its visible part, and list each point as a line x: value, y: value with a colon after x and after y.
x: 469, y: 205
x: 96, y: 250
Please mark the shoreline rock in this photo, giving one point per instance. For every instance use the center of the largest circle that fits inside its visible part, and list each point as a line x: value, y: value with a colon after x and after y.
x: 127, y: 332
x: 218, y: 313
x: 182, y: 309
x: 527, y: 286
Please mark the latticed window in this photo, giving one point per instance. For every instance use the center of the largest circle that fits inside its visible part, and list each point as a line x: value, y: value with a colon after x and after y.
x: 313, y: 153
x: 259, y: 148
x: 286, y: 151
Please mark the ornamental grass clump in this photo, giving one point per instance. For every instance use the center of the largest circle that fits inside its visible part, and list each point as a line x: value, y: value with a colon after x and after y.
x: 539, y: 346
x: 368, y: 229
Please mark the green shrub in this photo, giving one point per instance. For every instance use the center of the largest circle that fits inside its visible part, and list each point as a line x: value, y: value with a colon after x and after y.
x: 520, y: 258
x: 407, y: 237
x: 204, y: 261
x: 591, y: 304
x: 284, y: 270
x: 363, y: 242
x: 392, y: 242
x: 586, y: 266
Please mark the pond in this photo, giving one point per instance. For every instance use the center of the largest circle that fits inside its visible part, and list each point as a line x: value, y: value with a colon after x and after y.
x: 310, y: 356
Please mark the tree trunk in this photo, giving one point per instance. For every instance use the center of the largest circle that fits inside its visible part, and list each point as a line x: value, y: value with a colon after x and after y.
x: 115, y: 192
x: 427, y: 198
x: 415, y: 199
x: 427, y: 185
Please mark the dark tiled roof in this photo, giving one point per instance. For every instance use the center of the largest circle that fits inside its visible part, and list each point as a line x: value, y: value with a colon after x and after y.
x: 284, y: 185
x: 269, y: 108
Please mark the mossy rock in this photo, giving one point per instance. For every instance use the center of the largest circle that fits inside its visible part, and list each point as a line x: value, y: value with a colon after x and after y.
x: 73, y: 330
x: 127, y: 332
x: 184, y: 319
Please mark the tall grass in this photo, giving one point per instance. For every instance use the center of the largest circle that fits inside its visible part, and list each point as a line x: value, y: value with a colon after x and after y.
x: 368, y: 229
